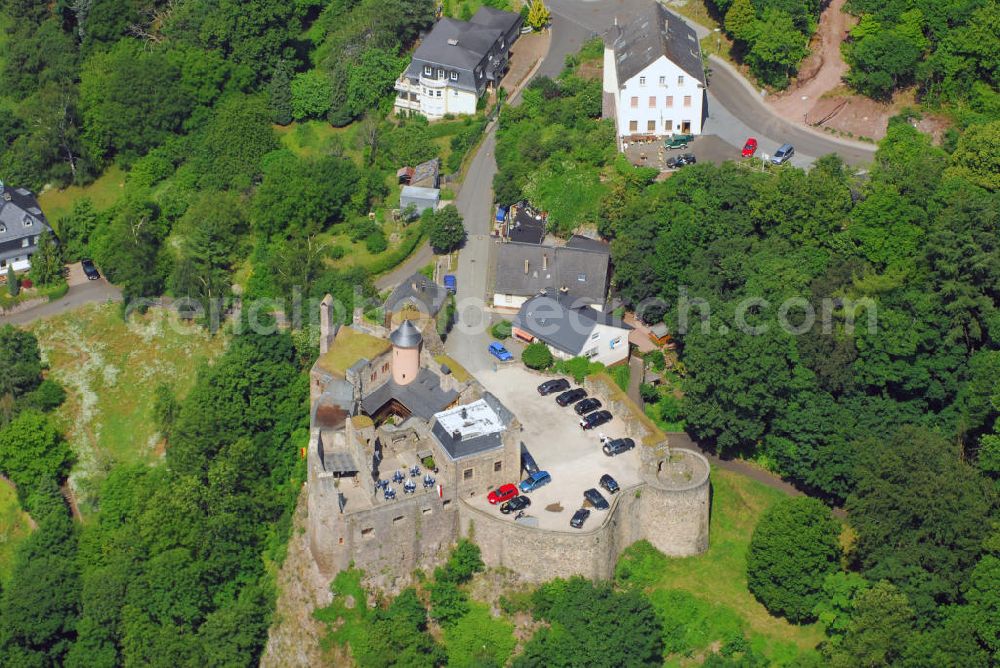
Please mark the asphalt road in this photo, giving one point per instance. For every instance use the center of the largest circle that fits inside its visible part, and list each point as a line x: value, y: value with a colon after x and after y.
x: 78, y: 295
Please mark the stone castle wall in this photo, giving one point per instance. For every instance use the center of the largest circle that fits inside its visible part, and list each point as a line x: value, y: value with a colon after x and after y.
x: 675, y: 521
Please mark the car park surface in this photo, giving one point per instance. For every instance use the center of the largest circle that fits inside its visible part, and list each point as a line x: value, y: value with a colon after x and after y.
x: 555, y: 440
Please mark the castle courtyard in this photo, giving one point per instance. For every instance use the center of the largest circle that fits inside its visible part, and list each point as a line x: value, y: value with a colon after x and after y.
x: 554, y: 438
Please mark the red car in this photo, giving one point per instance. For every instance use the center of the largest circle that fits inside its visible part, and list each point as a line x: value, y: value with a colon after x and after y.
x: 502, y: 493
x: 749, y: 148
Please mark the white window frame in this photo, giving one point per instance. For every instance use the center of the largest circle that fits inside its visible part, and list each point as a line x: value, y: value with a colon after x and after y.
x: 680, y: 79
x: 428, y: 71
x: 454, y: 76
x: 663, y: 80
x: 642, y: 81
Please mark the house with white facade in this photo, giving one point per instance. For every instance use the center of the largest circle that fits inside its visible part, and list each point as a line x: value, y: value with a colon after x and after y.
x: 654, y: 79
x: 21, y: 224
x: 456, y: 63
x: 571, y: 328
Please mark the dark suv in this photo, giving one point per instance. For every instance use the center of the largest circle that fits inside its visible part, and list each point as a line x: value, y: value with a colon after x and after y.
x: 587, y: 405
x: 554, y: 385
x: 579, y: 517
x: 617, y: 446
x: 596, y: 499
x: 595, y: 419
x: 571, y: 396
x: 90, y: 270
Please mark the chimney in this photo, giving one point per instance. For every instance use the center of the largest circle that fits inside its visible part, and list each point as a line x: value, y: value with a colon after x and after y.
x: 465, y: 413
x: 325, y: 328
x: 525, y: 266
x: 545, y: 261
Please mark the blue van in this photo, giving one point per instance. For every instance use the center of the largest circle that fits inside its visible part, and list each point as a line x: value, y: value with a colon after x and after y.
x: 534, y: 481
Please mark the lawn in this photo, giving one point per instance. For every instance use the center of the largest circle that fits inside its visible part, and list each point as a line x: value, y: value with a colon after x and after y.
x: 350, y: 346
x: 111, y: 370
x: 15, y: 525
x: 311, y: 139
x: 104, y: 192
x: 717, y: 579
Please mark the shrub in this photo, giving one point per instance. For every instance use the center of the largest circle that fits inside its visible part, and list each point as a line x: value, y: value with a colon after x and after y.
x: 579, y: 368
x: 621, y: 374
x: 537, y: 356
x: 376, y: 242
x: 501, y: 330
x: 793, y: 547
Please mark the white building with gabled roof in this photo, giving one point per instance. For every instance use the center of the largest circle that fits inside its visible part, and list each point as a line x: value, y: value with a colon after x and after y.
x: 654, y: 78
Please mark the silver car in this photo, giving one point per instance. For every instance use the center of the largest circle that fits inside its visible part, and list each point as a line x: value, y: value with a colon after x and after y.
x: 784, y: 152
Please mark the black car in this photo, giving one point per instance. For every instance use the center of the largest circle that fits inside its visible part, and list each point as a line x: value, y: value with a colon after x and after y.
x: 616, y: 446
x: 579, y: 517
x: 609, y: 483
x: 554, y: 385
x: 528, y: 463
x: 90, y: 270
x: 515, y: 504
x: 595, y: 419
x: 571, y: 396
x: 683, y: 159
x: 587, y: 405
x: 596, y: 499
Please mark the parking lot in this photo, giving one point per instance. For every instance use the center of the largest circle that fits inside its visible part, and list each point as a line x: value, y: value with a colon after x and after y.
x: 554, y: 438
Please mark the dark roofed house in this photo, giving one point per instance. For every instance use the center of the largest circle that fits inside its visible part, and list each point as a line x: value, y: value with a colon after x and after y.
x: 525, y: 270
x: 417, y: 293
x: 654, y: 79
x: 570, y: 328
x: 21, y: 223
x: 456, y: 62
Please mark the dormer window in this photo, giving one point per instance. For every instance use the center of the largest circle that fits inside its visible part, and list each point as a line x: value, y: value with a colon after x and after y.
x: 454, y: 76
x: 440, y: 73
x: 428, y: 70
x: 582, y: 278
x: 489, y: 57
x: 28, y: 221
x: 3, y: 228
x: 479, y: 73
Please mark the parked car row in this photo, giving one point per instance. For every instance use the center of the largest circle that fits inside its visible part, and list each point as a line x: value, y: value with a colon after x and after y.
x: 595, y: 499
x: 780, y: 157
x: 586, y: 407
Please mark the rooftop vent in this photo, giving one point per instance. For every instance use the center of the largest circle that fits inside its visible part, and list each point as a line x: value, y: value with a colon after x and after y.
x: 453, y: 41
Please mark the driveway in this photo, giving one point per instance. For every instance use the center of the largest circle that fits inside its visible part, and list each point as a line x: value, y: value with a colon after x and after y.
x: 554, y: 438
x: 89, y: 292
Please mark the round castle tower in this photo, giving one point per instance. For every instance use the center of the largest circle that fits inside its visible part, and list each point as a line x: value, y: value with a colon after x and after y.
x: 406, y: 341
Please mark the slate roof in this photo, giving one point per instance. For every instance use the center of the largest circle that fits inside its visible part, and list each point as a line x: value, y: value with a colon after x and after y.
x: 562, y: 322
x: 21, y: 206
x: 425, y: 174
x: 417, y: 290
x: 496, y: 18
x: 406, y: 335
x: 456, y: 45
x: 653, y: 33
x: 423, y: 397
x: 584, y: 273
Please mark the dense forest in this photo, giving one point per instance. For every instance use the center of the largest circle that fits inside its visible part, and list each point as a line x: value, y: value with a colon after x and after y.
x: 887, y: 401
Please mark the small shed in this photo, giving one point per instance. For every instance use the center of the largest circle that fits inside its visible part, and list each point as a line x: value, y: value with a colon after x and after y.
x: 421, y: 198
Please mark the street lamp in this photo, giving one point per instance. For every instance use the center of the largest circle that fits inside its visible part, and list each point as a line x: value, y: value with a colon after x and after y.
x: 718, y: 41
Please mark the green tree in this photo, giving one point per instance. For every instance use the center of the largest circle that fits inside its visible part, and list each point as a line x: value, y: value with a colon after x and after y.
x: 371, y: 78
x: 131, y: 100
x: 882, y: 62
x: 906, y: 535
x: 880, y: 630
x: 128, y: 249
x: 976, y: 157
x: 794, y: 546
x: 301, y: 197
x: 777, y: 48
x: 592, y: 624
x: 448, y: 603
x: 837, y: 603
x: 447, y: 229
x: 280, y: 94
x: 537, y: 356
x: 741, y: 20
x: 32, y: 452
x: 312, y: 93
x: 397, y: 636
x: 234, y: 143
x: 47, y: 262
x: 20, y: 365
